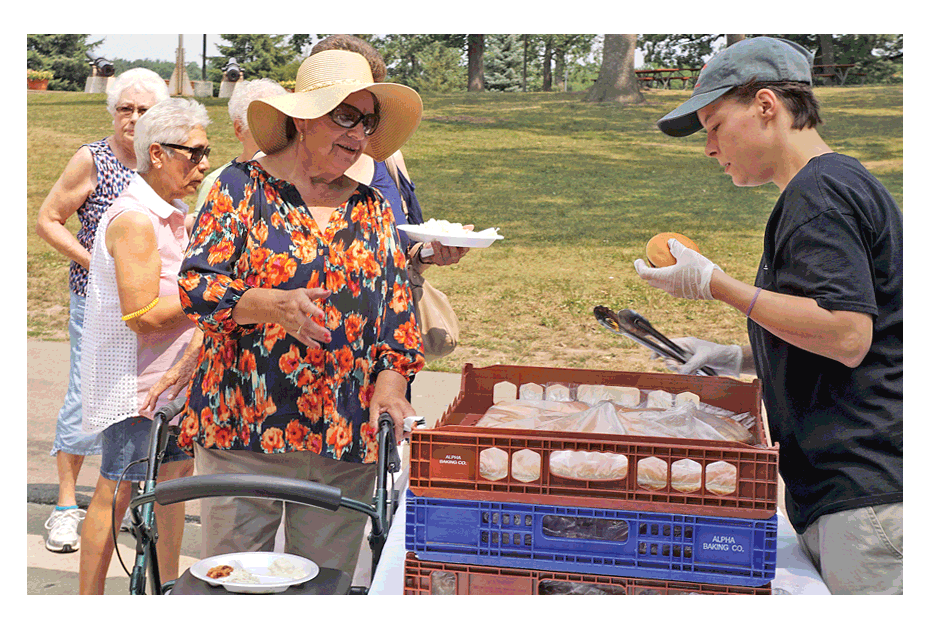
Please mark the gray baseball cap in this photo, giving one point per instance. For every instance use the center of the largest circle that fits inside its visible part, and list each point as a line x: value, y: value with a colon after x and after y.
x: 759, y: 58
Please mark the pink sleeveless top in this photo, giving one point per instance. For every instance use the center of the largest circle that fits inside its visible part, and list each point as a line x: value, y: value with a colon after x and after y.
x: 119, y: 366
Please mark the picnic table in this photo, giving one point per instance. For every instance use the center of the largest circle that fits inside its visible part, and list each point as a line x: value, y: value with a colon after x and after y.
x: 664, y: 76
x: 838, y: 71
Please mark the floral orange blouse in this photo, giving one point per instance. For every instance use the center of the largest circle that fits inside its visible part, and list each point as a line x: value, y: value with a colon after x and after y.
x: 256, y: 387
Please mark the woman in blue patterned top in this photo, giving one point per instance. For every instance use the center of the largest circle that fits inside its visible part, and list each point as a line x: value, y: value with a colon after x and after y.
x: 92, y: 179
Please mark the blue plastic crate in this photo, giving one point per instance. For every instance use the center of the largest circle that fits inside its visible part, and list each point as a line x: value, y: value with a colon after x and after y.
x: 710, y: 550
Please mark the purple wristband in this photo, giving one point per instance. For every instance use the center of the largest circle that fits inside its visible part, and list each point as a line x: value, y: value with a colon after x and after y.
x: 753, y: 303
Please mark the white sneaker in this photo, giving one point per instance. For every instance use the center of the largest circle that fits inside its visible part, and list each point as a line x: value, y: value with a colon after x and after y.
x: 126, y: 525
x: 63, y: 536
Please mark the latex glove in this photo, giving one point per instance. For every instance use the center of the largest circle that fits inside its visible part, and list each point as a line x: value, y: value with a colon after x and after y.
x: 726, y: 360
x: 688, y: 278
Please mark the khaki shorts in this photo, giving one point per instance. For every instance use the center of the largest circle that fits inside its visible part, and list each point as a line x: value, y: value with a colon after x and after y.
x: 859, y: 551
x: 330, y: 539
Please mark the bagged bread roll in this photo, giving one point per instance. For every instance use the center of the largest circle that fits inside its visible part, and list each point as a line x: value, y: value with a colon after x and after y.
x: 492, y: 464
x: 685, y: 397
x: 720, y: 478
x: 623, y: 396
x: 526, y: 466
x: 587, y: 465
x: 686, y: 475
x: 508, y: 411
x: 659, y: 399
x: 601, y: 418
x: 558, y: 391
x: 652, y: 473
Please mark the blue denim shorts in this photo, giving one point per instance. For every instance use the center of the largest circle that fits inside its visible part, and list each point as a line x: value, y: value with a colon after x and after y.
x: 68, y: 434
x: 128, y: 441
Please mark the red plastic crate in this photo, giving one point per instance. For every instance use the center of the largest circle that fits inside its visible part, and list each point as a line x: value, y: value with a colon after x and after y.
x: 424, y: 577
x: 445, y: 460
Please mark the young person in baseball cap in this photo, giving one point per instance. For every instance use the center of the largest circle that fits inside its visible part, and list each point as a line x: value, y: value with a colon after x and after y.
x: 825, y: 311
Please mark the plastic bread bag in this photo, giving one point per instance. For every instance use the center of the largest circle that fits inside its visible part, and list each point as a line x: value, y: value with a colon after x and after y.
x: 601, y: 418
x: 558, y: 391
x: 623, y: 396
x: 678, y: 422
x: 558, y: 587
x: 730, y: 429
x: 511, y: 410
x: 532, y: 391
x: 588, y: 465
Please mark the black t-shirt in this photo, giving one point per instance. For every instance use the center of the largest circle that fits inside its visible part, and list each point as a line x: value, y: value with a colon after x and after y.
x: 835, y: 236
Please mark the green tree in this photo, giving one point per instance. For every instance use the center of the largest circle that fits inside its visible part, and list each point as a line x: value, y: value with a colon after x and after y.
x: 258, y: 56
x: 64, y: 55
x: 503, y: 70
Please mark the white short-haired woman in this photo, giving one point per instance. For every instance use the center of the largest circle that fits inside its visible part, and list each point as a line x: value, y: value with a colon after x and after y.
x: 245, y: 93
x: 136, y: 332
x: 92, y: 179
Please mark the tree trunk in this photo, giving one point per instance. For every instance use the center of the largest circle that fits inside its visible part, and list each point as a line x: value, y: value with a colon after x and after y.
x: 476, y: 63
x: 826, y: 55
x: 616, y: 81
x: 559, y: 72
x: 526, y: 46
x: 547, y: 67
x: 732, y: 39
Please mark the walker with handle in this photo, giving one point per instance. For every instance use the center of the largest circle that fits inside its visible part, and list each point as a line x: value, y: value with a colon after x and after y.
x: 144, y: 528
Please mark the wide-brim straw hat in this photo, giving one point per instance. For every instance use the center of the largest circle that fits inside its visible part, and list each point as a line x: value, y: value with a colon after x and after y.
x: 324, y: 80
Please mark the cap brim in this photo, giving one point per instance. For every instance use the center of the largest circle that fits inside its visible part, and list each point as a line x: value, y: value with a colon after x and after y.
x: 683, y: 120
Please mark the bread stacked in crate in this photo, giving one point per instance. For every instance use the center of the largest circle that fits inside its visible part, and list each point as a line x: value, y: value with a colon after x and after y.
x: 550, y: 480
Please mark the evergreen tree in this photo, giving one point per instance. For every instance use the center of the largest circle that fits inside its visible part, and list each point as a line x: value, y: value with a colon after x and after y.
x: 258, y: 56
x: 503, y: 68
x: 64, y: 55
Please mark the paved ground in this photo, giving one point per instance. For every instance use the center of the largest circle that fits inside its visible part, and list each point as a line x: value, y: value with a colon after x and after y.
x: 47, y: 377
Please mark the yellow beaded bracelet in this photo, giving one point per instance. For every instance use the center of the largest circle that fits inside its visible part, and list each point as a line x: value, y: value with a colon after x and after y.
x: 141, y: 311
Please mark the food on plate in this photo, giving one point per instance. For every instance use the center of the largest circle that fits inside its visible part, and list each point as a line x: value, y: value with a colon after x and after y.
x: 441, y: 226
x: 240, y: 575
x: 282, y: 567
x: 658, y: 253
x: 219, y: 571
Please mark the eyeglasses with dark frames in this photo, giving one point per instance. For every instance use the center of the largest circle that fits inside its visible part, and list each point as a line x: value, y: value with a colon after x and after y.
x: 347, y: 116
x: 197, y: 153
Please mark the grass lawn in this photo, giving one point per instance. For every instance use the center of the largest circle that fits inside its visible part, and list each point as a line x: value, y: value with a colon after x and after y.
x: 576, y: 189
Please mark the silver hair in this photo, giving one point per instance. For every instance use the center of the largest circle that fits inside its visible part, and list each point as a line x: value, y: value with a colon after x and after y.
x: 142, y: 79
x: 172, y: 121
x: 245, y: 93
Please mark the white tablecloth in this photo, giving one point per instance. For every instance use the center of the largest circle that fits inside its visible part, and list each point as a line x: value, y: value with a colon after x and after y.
x: 794, y: 574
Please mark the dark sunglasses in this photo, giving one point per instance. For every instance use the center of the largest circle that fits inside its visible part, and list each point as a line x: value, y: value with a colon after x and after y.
x: 347, y: 117
x: 197, y: 153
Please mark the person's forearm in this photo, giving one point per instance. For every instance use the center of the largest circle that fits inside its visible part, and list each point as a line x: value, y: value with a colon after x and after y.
x: 59, y: 237
x: 258, y: 306
x: 798, y: 320
x: 167, y: 313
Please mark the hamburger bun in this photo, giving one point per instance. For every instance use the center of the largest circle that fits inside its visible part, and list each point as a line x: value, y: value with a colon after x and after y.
x: 657, y: 251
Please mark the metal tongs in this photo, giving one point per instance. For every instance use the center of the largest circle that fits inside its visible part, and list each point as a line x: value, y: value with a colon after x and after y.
x: 636, y: 327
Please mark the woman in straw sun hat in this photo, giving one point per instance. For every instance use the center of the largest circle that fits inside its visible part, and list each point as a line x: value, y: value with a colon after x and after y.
x: 295, y: 275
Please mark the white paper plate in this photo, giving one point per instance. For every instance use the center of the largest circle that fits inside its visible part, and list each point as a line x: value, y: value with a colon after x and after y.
x: 424, y: 234
x: 257, y: 563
